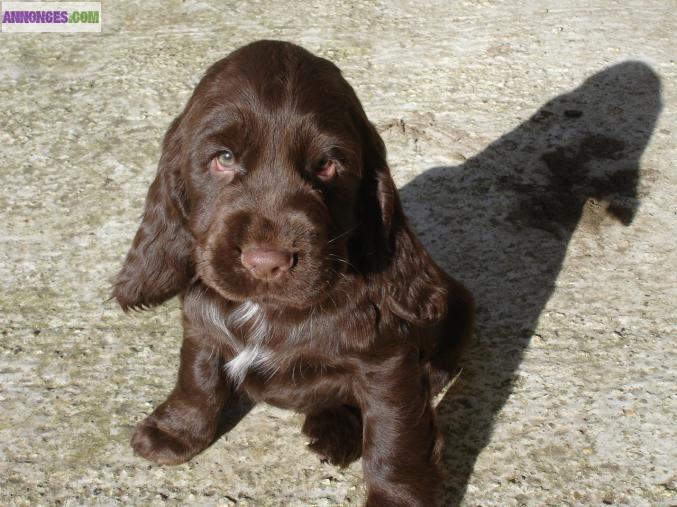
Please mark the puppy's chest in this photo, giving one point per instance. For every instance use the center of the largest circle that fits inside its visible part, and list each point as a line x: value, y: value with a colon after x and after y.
x: 266, y: 348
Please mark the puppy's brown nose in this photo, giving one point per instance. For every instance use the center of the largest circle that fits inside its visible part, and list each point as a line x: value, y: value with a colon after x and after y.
x: 266, y: 263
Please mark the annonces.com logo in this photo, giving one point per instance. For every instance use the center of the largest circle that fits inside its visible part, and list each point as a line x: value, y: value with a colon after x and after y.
x: 22, y: 17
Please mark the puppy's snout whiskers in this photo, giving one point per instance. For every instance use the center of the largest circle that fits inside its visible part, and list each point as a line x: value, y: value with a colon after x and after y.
x: 343, y: 234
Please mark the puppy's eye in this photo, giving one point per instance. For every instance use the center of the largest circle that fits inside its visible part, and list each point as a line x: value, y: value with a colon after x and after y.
x: 225, y: 158
x: 326, y: 169
x: 223, y: 165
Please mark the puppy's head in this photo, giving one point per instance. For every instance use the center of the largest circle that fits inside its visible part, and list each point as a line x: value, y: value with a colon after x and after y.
x: 272, y: 183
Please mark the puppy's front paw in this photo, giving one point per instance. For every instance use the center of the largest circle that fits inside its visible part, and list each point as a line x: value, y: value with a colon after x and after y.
x: 162, y: 445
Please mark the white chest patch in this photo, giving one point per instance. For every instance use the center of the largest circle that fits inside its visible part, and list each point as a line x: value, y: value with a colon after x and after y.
x: 250, y: 358
x: 254, y: 355
x: 238, y: 366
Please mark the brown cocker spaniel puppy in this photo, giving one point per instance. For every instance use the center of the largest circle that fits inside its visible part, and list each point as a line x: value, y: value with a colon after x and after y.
x: 274, y: 217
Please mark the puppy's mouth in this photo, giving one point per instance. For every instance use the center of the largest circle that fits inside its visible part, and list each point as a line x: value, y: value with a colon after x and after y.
x: 274, y: 294
x: 268, y: 278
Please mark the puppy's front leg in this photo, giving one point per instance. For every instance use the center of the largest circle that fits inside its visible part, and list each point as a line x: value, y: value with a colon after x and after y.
x: 187, y: 422
x: 401, y: 447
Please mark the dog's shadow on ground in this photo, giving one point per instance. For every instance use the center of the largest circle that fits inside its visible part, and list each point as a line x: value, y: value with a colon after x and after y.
x: 501, y: 222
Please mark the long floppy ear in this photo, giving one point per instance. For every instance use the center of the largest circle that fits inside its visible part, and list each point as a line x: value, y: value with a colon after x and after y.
x: 415, y: 287
x: 158, y: 265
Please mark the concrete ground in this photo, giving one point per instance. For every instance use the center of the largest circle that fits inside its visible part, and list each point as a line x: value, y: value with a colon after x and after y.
x: 534, y: 145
